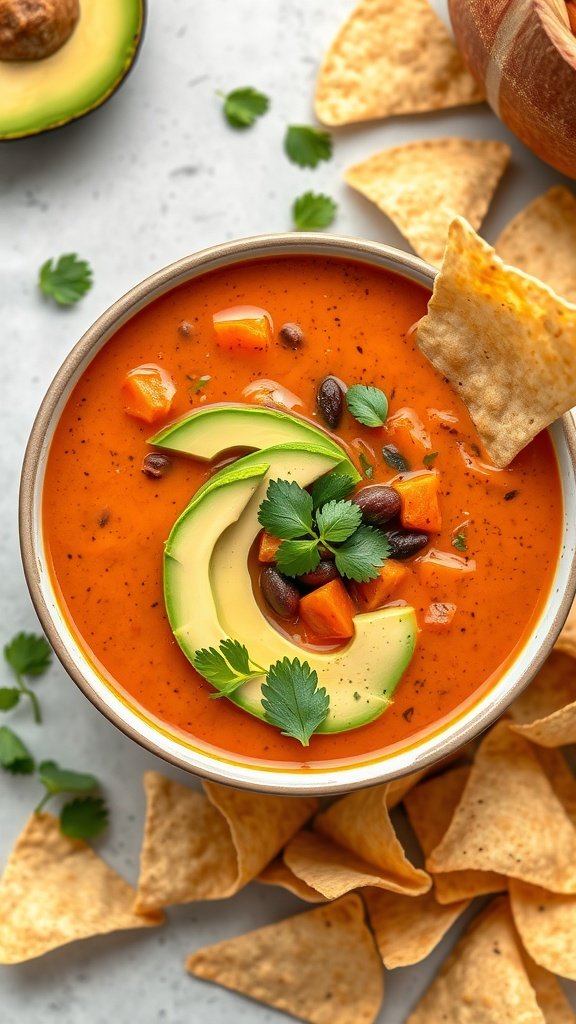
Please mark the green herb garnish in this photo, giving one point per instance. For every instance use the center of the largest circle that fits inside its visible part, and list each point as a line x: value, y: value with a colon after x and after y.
x: 197, y: 383
x: 288, y: 512
x: 14, y: 756
x: 313, y: 211
x: 394, y: 458
x: 307, y: 146
x: 84, y: 818
x: 227, y: 668
x: 460, y: 539
x: 332, y: 487
x: 28, y: 655
x: 368, y: 405
x: 67, y: 280
x: 430, y: 459
x: 243, y: 106
x: 58, y: 780
x: 366, y: 466
x: 292, y: 700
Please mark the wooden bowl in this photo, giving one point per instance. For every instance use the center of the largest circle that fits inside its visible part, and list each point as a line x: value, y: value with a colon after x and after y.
x: 523, y: 52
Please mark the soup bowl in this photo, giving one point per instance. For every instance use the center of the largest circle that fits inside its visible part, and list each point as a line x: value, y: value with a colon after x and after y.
x: 420, y: 750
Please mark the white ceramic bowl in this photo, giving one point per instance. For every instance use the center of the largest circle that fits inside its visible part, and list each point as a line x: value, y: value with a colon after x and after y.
x: 465, y: 724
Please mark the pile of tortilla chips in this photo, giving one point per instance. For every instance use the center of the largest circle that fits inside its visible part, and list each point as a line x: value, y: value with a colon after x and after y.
x: 501, y: 824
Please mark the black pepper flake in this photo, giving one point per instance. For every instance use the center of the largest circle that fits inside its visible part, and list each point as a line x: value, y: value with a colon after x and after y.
x: 510, y: 495
x: 408, y: 714
x: 104, y: 517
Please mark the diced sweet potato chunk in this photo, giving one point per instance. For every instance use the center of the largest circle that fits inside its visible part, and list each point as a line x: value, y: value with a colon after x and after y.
x: 375, y: 593
x: 148, y: 392
x: 419, y: 497
x: 329, y: 611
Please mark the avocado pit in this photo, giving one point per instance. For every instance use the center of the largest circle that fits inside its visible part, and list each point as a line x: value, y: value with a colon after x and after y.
x: 34, y: 29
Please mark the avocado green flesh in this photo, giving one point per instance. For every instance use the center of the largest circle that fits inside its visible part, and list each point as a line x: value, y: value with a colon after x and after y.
x: 209, y: 593
x: 42, y: 94
x: 206, y: 433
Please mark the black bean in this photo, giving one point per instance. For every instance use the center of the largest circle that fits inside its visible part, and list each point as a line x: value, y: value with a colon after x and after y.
x: 156, y: 465
x: 379, y: 504
x: 291, y: 336
x: 280, y: 593
x: 405, y: 543
x: 324, y: 572
x: 185, y: 329
x: 330, y: 401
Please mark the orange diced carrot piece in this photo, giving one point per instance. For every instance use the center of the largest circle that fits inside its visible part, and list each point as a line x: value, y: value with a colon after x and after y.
x: 247, y: 328
x: 268, y: 547
x: 375, y: 593
x: 329, y: 611
x: 419, y: 496
x: 148, y: 392
x: 440, y: 569
x: 438, y: 617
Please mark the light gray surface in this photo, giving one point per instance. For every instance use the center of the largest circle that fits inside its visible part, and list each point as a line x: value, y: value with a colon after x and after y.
x: 152, y: 176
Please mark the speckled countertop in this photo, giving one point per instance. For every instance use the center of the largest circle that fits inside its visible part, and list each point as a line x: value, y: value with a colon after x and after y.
x: 152, y: 176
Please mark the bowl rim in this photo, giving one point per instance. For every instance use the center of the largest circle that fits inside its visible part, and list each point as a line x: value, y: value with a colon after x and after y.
x: 324, y: 779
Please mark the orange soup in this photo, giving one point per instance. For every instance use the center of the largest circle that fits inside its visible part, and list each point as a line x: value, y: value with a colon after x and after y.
x: 489, y: 539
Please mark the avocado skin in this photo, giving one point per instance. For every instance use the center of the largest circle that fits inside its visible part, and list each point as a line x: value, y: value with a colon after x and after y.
x: 142, y: 7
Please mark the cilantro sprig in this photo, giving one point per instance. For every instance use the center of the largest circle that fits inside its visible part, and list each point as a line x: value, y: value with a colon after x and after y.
x: 227, y: 668
x: 242, y: 106
x: 14, y: 755
x: 27, y: 655
x: 291, y: 697
x: 313, y: 211
x: 293, y: 701
x: 65, y: 280
x: 307, y: 146
x: 83, y: 817
x: 305, y: 524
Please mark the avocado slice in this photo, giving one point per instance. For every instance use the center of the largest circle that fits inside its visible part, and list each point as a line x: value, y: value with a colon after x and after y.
x: 220, y: 602
x: 207, y: 432
x: 40, y: 94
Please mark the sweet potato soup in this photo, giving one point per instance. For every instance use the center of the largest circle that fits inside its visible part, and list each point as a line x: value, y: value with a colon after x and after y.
x: 367, y: 533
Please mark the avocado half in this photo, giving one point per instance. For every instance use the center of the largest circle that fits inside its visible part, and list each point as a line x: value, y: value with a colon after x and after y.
x: 37, y: 95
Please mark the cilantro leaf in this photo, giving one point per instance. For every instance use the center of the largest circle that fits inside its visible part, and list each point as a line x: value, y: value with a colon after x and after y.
x: 292, y: 700
x: 307, y: 146
x: 296, y: 557
x: 286, y: 511
x: 9, y: 697
x: 368, y: 405
x: 84, y: 817
x: 243, y: 106
x: 227, y: 668
x: 312, y: 211
x: 28, y: 654
x: 393, y: 457
x: 430, y: 459
x: 366, y: 466
x: 67, y: 280
x: 332, y: 487
x: 63, y: 780
x: 14, y: 756
x: 360, y: 556
x: 337, y: 520
x: 460, y: 538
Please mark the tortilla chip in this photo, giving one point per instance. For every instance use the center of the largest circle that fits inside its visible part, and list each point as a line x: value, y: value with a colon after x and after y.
x: 321, y: 966
x: 561, y: 778
x: 505, y: 342
x: 541, y: 240
x: 430, y: 808
x: 408, y: 928
x: 278, y: 873
x: 397, y: 789
x: 57, y: 890
x: 549, y: 993
x: 546, y: 923
x: 546, y: 712
x: 199, y: 847
x: 421, y: 186
x: 519, y: 828
x: 484, y: 981
x: 334, y: 871
x: 391, y: 58
x: 566, y: 642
